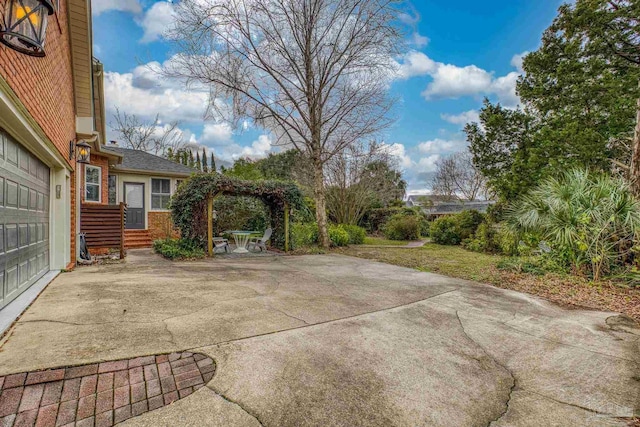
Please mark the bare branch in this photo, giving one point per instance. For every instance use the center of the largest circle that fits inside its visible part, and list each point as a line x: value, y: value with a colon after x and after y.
x: 457, y: 177
x: 315, y: 73
x: 152, y: 137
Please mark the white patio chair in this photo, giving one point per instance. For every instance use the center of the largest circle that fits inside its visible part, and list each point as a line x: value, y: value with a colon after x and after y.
x: 260, y: 242
x: 220, y: 243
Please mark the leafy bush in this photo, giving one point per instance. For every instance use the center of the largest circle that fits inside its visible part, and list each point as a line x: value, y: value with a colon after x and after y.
x: 374, y: 220
x: 178, y: 248
x: 452, y: 230
x: 304, y: 234
x: 467, y: 222
x: 356, y: 234
x: 492, y: 238
x: 483, y: 240
x: 239, y: 213
x: 338, y: 235
x: 590, y: 221
x: 425, y: 226
x: 402, y: 227
x: 444, y: 231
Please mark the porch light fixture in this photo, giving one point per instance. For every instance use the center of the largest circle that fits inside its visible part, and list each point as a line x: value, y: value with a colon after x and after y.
x: 81, y: 150
x: 25, y: 24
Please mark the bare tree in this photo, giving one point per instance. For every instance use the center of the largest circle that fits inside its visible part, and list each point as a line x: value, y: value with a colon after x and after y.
x: 149, y: 136
x: 313, y: 72
x: 457, y: 178
x: 349, y: 191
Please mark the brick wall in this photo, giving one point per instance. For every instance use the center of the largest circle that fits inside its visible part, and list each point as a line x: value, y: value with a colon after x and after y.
x: 45, y: 87
x: 102, y: 163
x: 160, y: 225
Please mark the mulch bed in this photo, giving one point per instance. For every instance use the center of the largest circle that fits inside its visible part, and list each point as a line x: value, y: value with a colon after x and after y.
x: 575, y: 292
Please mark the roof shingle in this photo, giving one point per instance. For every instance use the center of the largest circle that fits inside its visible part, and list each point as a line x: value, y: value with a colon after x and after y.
x: 145, y: 162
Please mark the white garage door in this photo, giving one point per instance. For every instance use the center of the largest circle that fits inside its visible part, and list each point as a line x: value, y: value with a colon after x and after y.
x: 24, y: 219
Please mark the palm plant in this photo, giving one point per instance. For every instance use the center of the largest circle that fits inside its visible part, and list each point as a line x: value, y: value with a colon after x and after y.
x: 590, y: 219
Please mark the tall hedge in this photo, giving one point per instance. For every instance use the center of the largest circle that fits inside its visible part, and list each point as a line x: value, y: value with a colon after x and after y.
x: 189, y: 204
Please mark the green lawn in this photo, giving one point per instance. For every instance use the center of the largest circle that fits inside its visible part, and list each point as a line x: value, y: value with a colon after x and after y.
x: 454, y: 261
x: 448, y: 260
x: 381, y: 241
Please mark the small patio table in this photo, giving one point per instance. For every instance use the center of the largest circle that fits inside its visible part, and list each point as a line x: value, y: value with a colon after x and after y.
x: 241, y: 238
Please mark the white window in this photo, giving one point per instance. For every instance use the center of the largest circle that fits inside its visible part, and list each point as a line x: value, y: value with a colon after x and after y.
x: 112, y: 186
x: 160, y: 193
x: 92, y: 183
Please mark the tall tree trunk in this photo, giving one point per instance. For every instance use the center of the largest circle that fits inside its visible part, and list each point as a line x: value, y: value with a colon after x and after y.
x: 321, y: 205
x: 634, y: 175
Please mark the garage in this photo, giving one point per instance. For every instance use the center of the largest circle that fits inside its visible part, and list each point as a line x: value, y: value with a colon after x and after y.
x: 24, y: 219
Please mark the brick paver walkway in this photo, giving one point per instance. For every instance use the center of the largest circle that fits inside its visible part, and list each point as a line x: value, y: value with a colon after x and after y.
x: 102, y: 394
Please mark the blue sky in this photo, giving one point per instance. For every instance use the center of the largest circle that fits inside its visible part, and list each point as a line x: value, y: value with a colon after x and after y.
x: 460, y: 52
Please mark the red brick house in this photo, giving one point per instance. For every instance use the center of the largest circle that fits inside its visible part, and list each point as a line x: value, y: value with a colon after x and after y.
x: 51, y: 110
x: 145, y: 183
x: 46, y: 107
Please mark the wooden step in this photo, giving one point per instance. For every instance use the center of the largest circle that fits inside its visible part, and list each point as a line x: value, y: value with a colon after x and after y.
x: 135, y: 239
x: 137, y: 245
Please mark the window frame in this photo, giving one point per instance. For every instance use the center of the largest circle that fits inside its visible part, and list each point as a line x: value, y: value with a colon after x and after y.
x: 87, y: 184
x: 115, y: 177
x: 151, y: 192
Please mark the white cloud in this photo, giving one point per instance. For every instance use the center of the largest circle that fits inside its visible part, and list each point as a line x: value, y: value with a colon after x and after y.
x: 156, y: 21
x: 416, y: 64
x: 148, y: 96
x: 409, y: 18
x: 217, y: 134
x: 439, y: 146
x: 462, y: 118
x: 516, y: 60
x: 399, y: 151
x: 419, y: 40
x: 100, y: 6
x: 259, y: 148
x: 228, y: 150
x: 428, y: 164
x: 505, y: 89
x: 452, y: 81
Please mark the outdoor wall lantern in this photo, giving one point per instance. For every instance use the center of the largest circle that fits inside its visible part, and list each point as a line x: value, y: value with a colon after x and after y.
x: 24, y: 25
x: 81, y: 150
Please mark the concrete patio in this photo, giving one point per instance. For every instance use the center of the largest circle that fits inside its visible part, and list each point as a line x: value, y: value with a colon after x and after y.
x: 333, y: 340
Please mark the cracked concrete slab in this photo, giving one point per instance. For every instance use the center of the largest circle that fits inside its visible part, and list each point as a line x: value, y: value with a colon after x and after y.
x: 334, y: 340
x: 203, y: 408
x: 528, y: 409
x: 390, y: 368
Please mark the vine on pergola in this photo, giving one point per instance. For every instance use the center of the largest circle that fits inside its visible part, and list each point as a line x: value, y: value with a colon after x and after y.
x: 190, y: 202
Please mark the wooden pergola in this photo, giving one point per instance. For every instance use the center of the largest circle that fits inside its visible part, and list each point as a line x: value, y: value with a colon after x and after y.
x: 210, y: 225
x: 192, y: 205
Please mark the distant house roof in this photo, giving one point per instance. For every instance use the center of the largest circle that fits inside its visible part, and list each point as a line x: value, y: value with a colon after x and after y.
x: 416, y: 199
x: 446, y: 208
x: 443, y: 205
x: 143, y: 162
